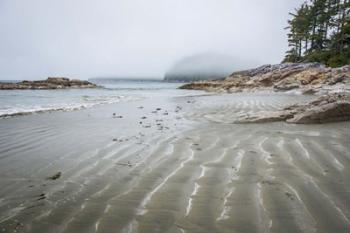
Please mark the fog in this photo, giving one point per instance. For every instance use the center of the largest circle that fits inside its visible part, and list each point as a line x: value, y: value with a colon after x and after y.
x: 94, y: 38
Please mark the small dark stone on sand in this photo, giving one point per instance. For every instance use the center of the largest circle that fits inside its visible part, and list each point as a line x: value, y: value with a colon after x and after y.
x: 128, y: 164
x: 55, y: 176
x: 290, y: 196
x: 41, y: 197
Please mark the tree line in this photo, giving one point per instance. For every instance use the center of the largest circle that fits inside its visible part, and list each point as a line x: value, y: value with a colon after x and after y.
x: 319, y: 31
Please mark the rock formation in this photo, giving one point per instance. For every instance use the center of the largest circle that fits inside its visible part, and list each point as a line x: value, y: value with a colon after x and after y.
x: 49, y: 83
x: 308, y: 77
x: 327, y: 108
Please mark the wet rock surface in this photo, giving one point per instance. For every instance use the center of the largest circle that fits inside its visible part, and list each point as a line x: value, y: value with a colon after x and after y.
x: 49, y: 83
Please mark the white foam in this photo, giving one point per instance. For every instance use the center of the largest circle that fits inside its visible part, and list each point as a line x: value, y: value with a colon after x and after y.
x: 88, y: 102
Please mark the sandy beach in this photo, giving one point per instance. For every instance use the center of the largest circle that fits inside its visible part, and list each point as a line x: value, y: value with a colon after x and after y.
x: 174, y: 164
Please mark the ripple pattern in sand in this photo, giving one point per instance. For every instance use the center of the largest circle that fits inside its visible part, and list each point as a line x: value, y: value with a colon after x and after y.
x: 213, y: 178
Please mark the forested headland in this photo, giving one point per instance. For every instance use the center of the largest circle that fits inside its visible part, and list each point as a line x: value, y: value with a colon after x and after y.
x: 319, y: 31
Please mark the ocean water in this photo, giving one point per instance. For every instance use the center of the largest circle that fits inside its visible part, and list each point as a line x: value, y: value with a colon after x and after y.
x: 21, y: 102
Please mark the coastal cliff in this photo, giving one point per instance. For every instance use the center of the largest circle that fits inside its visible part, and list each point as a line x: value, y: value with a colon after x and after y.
x: 49, y: 83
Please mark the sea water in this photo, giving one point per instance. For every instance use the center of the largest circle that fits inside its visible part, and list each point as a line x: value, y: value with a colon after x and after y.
x: 21, y: 102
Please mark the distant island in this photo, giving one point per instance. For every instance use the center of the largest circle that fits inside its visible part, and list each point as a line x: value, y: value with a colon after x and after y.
x: 48, y: 84
x: 204, y: 66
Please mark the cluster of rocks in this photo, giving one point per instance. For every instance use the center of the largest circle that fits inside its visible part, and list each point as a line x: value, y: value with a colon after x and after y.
x: 326, y: 108
x: 49, y: 83
x: 308, y: 77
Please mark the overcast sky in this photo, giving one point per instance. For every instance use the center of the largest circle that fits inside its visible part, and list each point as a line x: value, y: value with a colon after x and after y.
x: 89, y: 38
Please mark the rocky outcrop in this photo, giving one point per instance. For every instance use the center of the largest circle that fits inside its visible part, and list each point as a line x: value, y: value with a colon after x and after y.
x: 49, y: 83
x: 327, y: 108
x: 308, y: 77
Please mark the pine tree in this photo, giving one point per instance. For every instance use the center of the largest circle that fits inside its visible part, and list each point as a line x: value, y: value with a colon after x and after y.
x: 319, y: 31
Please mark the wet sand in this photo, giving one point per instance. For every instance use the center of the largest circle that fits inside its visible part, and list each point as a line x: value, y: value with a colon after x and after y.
x: 181, y: 168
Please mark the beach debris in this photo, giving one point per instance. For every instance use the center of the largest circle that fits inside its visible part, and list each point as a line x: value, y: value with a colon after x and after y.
x: 55, y: 176
x: 141, y: 107
x: 143, y: 117
x: 158, y: 109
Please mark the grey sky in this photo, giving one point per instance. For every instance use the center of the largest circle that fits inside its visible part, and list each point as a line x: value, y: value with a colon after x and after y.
x: 88, y: 38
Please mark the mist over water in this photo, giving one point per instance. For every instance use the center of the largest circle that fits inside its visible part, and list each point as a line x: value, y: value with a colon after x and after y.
x: 86, y: 38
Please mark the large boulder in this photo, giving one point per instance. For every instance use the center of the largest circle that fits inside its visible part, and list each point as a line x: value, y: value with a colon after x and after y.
x: 330, y: 112
x: 327, y: 108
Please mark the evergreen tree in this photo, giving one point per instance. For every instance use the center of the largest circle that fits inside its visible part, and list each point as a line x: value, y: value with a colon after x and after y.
x: 319, y: 31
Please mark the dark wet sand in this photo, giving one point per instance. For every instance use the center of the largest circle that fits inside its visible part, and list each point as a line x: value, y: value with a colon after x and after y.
x: 193, y: 172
